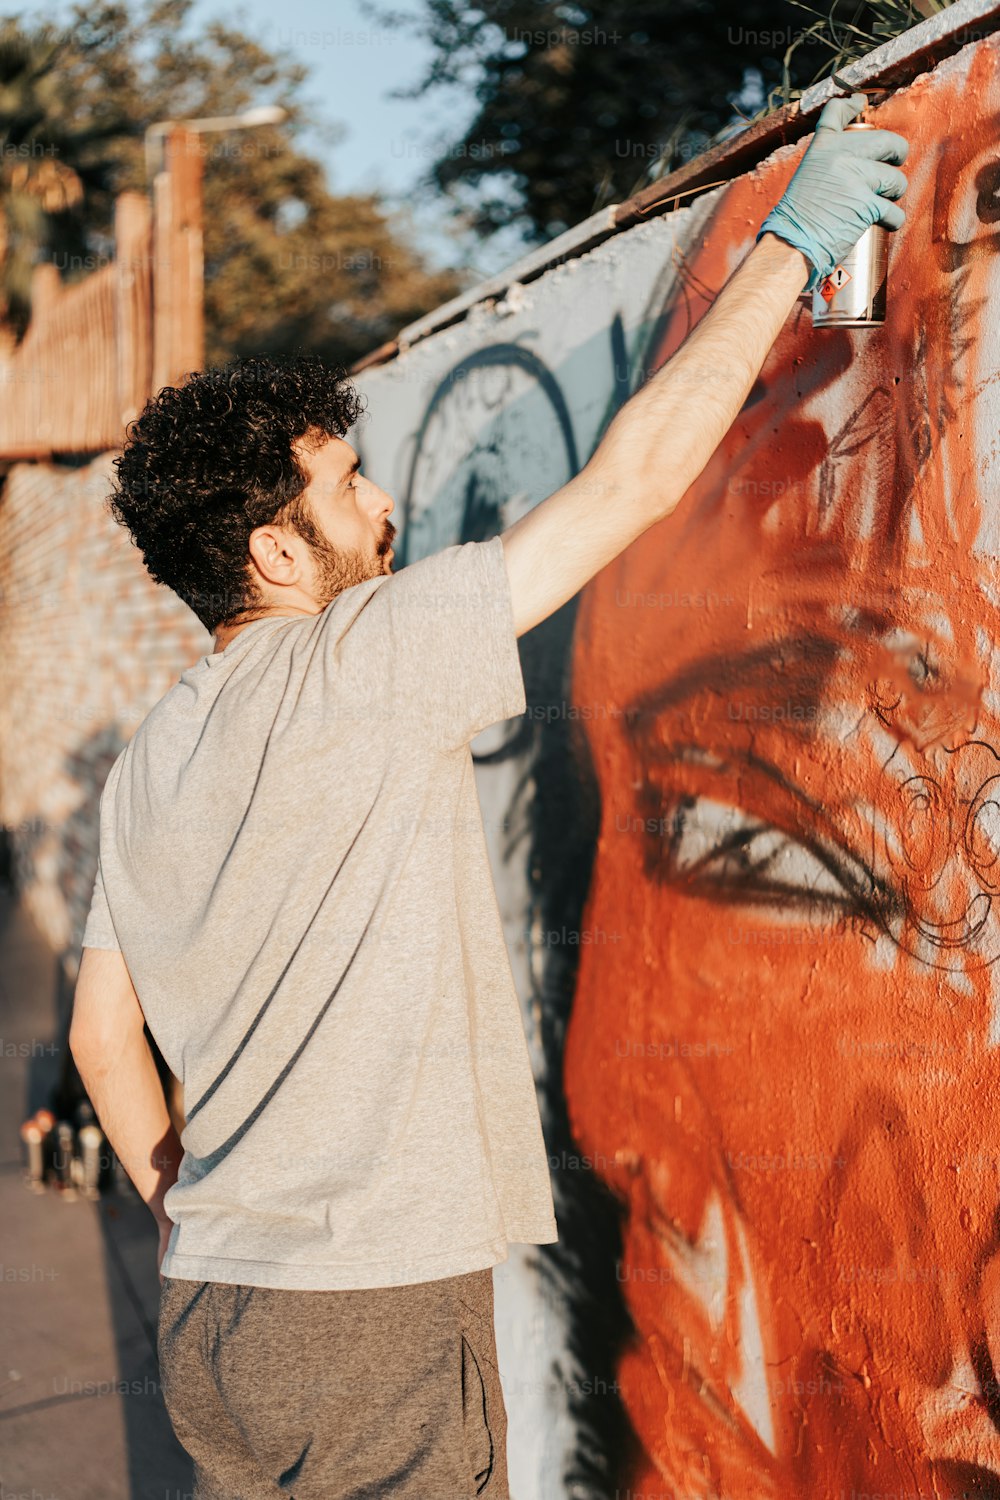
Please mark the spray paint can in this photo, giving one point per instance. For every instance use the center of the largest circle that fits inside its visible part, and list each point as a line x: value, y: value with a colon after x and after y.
x: 34, y: 1139
x: 854, y: 293
x: 91, y: 1139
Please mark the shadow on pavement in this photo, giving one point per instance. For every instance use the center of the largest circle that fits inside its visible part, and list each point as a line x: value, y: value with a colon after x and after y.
x: 81, y: 1414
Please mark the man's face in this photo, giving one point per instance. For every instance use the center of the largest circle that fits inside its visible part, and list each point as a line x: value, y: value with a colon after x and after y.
x: 346, y: 522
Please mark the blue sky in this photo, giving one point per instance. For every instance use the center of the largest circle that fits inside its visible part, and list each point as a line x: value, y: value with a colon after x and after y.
x: 354, y: 63
x: 387, y: 144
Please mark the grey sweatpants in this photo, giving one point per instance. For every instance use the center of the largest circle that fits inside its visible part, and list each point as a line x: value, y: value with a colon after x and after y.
x: 387, y: 1394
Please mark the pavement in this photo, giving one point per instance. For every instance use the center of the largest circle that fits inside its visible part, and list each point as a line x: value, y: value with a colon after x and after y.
x: 81, y: 1413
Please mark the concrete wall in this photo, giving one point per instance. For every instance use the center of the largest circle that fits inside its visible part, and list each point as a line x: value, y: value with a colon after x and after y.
x: 88, y: 643
x: 746, y: 841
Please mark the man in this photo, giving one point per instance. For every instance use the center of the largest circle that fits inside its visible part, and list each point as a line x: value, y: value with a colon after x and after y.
x: 294, y: 894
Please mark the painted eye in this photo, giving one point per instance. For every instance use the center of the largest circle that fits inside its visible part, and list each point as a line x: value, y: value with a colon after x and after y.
x: 713, y: 847
x: 968, y: 210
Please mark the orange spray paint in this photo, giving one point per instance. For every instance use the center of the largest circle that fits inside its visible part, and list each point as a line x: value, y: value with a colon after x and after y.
x: 795, y: 1063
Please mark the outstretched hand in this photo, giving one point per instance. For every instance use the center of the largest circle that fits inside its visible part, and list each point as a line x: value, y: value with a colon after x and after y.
x: 845, y: 182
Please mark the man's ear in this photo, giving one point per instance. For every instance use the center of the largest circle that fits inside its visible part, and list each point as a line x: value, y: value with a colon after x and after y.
x: 275, y: 555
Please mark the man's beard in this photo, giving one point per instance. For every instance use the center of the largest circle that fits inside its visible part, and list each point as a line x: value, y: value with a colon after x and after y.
x: 337, y: 570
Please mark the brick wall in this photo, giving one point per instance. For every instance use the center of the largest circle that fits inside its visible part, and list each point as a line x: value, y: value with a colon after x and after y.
x: 88, y: 643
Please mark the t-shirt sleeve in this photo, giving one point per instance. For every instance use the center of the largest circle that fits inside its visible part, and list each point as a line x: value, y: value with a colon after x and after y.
x: 456, y: 667
x: 99, y: 931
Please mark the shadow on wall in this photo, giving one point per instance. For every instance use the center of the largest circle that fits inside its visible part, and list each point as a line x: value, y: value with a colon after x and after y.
x: 498, y: 426
x: 581, y: 1266
x: 563, y: 817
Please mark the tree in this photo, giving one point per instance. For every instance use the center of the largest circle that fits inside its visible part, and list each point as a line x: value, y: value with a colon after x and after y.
x: 287, y: 263
x: 580, y: 102
x: 51, y: 159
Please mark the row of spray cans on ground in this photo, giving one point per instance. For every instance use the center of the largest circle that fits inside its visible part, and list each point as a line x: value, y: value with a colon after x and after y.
x: 74, y: 1157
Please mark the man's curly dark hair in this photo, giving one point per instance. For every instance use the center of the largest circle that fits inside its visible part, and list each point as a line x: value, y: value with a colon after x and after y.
x: 208, y: 461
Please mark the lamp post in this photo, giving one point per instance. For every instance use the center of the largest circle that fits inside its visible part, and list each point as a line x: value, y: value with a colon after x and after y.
x: 178, y: 269
x: 266, y: 114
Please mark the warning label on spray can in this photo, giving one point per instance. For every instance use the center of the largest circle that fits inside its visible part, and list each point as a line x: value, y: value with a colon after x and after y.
x: 854, y: 293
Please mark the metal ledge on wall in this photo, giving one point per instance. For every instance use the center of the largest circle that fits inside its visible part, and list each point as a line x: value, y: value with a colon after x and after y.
x: 893, y: 65
x: 574, y: 242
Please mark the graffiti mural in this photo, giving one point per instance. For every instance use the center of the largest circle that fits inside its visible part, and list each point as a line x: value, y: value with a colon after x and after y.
x: 747, y: 846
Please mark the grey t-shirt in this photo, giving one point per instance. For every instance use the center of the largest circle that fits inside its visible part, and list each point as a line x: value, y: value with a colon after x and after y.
x: 293, y: 864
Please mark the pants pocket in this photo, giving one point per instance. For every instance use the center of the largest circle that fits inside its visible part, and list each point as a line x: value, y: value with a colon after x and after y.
x: 484, y: 1414
x: 477, y: 1418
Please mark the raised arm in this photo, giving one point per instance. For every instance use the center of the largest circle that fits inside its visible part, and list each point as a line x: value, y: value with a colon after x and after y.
x: 661, y: 439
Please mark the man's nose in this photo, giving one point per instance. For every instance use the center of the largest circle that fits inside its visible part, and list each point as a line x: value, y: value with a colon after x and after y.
x: 378, y: 502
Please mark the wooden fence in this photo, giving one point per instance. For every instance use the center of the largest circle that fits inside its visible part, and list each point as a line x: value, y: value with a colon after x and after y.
x: 96, y: 349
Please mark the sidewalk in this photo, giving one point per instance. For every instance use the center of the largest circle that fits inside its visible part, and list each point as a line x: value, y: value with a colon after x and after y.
x: 81, y: 1417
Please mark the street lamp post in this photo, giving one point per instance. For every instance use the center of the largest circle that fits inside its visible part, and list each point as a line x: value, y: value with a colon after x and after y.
x: 178, y: 268
x: 266, y: 114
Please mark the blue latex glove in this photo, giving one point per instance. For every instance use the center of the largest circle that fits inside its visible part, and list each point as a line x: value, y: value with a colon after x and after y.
x: 842, y: 186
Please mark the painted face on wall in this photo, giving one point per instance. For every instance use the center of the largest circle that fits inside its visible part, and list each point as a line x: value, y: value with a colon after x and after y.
x: 791, y: 1066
